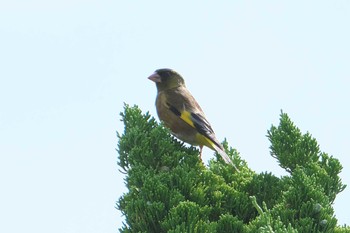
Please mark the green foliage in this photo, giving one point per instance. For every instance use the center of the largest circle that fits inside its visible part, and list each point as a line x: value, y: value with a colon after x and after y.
x: 170, y: 190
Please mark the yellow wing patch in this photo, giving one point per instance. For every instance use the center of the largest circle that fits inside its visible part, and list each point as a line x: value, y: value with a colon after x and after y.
x: 201, y: 139
x: 186, y: 116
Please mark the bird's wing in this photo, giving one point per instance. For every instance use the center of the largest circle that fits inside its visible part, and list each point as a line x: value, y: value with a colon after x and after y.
x: 187, y: 108
x: 198, y: 121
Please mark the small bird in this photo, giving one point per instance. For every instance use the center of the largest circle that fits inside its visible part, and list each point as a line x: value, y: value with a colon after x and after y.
x: 180, y: 112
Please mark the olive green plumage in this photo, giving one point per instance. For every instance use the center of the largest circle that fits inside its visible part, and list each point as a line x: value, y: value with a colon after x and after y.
x: 180, y: 112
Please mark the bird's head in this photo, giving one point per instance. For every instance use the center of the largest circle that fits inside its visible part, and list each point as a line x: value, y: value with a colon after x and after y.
x: 166, y: 79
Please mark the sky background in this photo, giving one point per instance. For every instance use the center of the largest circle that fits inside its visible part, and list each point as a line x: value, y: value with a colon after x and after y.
x: 67, y: 66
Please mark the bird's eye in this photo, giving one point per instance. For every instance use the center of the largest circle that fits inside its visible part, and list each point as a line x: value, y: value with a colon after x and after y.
x: 165, y: 74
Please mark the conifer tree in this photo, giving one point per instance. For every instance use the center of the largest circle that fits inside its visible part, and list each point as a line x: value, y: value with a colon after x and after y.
x: 170, y: 190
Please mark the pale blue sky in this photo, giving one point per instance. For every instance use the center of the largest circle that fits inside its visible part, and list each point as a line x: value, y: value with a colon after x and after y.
x: 68, y: 66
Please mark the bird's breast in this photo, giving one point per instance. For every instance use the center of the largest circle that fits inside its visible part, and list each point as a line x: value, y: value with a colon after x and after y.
x: 178, y: 127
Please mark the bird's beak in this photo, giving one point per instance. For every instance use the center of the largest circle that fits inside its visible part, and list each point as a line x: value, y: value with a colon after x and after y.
x: 155, y: 78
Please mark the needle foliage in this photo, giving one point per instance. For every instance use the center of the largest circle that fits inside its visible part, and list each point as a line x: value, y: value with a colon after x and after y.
x: 170, y: 190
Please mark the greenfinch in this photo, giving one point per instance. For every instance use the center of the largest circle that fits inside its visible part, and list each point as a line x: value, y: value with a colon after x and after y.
x: 181, y: 113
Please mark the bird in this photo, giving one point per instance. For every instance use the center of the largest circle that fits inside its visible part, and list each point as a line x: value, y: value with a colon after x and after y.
x: 180, y: 112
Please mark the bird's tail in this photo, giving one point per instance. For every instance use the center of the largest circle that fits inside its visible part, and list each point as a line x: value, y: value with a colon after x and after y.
x: 224, y: 156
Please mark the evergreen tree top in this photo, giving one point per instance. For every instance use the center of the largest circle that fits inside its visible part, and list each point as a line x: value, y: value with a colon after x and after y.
x: 170, y: 190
